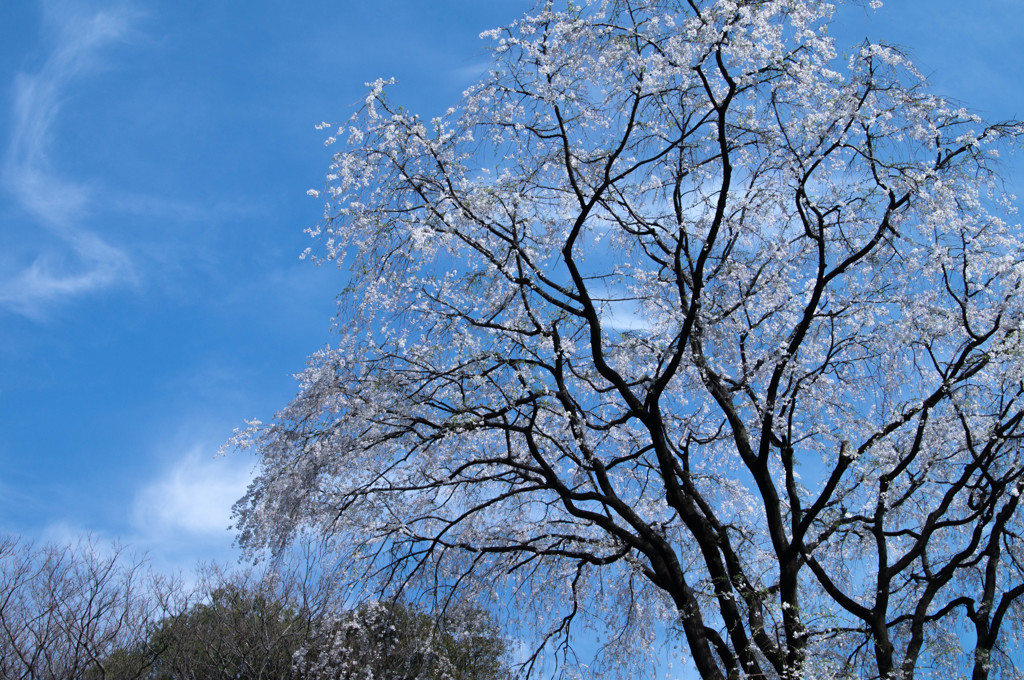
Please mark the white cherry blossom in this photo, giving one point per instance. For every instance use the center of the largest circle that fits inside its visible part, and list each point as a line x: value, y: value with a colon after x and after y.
x: 802, y: 452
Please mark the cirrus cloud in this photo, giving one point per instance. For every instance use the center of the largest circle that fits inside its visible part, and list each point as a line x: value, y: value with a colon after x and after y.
x: 82, y: 260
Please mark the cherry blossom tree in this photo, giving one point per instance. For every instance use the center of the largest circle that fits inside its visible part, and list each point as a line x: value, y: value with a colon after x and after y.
x: 680, y: 320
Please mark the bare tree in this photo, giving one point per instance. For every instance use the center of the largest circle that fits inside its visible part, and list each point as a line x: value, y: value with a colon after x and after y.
x: 65, y: 609
x: 680, y: 318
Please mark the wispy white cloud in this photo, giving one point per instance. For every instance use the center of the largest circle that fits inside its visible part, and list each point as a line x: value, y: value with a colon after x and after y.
x: 55, y: 203
x: 472, y: 72
x: 178, y: 515
x: 63, y: 533
x: 624, y: 316
x: 191, y: 499
x: 49, y: 278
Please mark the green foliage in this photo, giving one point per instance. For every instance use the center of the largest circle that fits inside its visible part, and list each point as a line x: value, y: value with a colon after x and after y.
x: 246, y: 631
x: 237, y: 634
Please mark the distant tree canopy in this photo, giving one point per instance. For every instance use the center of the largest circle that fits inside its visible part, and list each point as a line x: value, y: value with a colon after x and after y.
x: 86, y: 613
x: 242, y: 633
x: 237, y: 633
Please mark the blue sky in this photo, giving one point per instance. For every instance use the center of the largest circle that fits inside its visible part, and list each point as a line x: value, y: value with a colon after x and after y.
x: 154, y: 162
